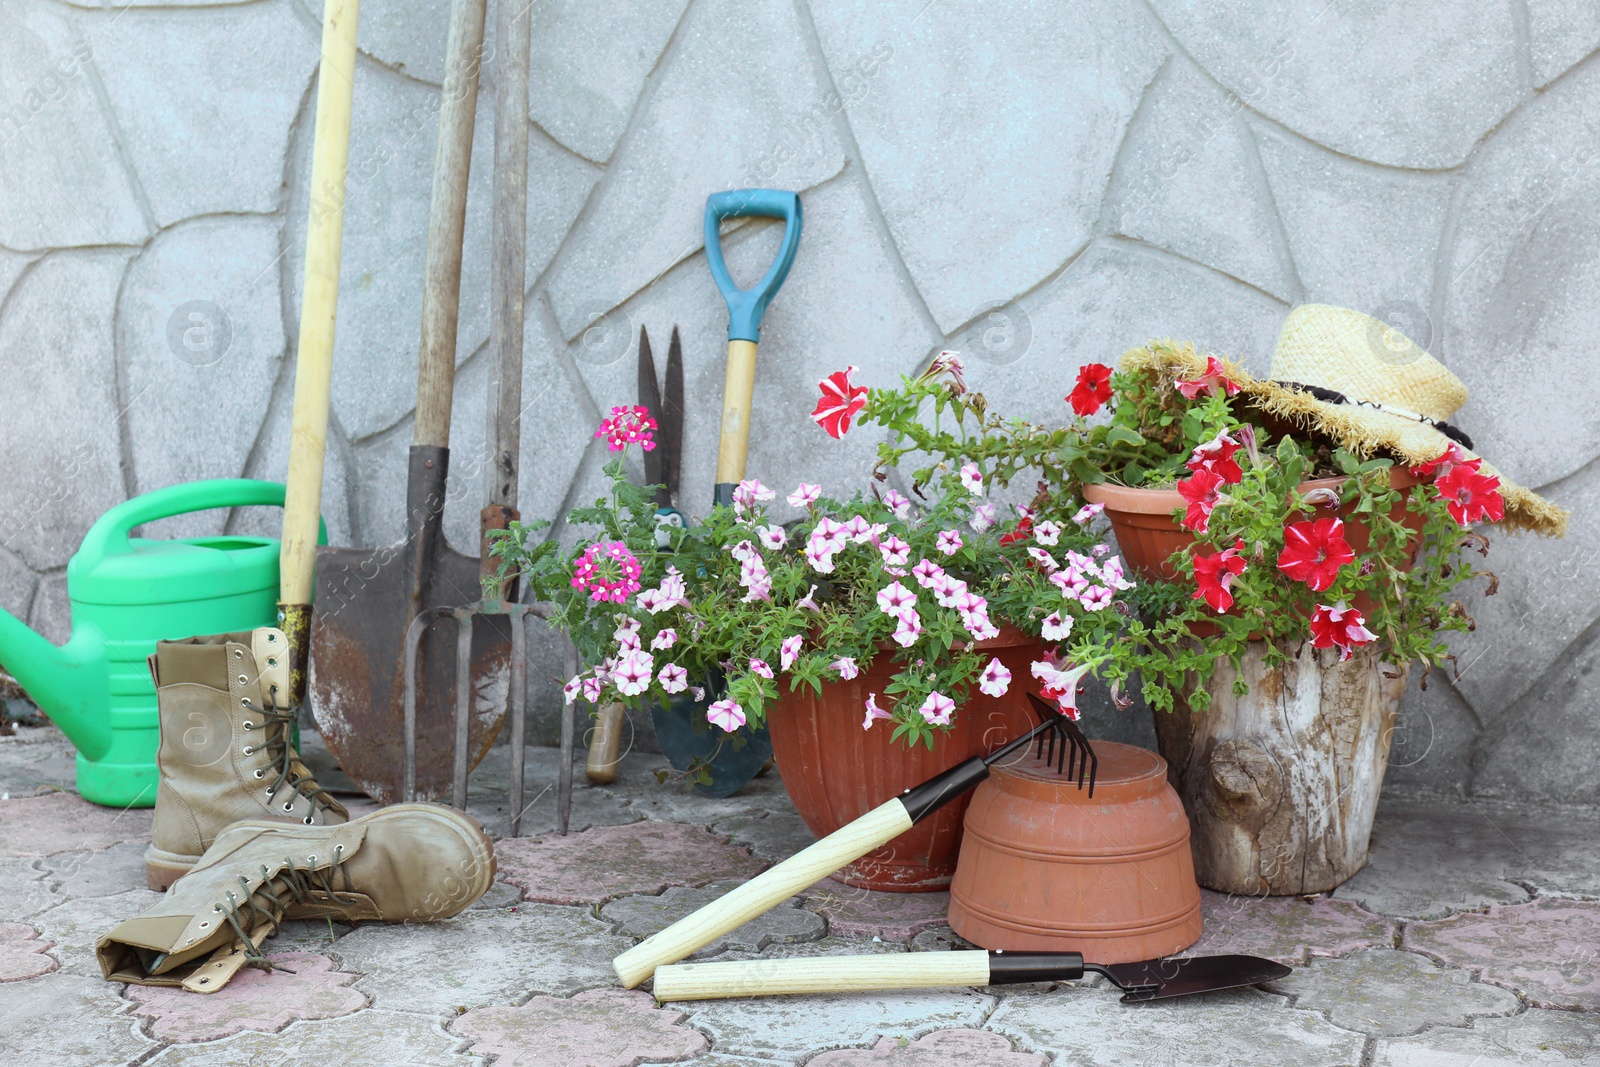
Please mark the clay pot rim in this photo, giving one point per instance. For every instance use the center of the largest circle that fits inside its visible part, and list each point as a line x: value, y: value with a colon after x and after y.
x: 1027, y: 777
x: 1136, y: 500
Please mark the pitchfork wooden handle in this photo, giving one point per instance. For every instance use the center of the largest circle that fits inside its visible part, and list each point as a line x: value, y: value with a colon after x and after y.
x: 877, y: 827
x: 738, y: 393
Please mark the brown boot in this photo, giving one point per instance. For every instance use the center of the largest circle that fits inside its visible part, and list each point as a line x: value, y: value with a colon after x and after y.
x: 226, y: 751
x: 405, y: 863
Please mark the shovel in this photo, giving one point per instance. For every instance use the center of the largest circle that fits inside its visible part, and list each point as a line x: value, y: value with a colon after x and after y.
x: 1146, y: 980
x: 366, y: 598
x: 319, y: 300
x: 849, y: 843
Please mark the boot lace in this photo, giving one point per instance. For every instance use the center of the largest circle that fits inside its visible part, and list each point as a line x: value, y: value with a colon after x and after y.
x: 266, y: 903
x: 282, y: 756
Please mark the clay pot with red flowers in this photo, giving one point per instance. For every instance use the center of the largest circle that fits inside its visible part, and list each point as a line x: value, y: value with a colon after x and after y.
x: 1288, y: 585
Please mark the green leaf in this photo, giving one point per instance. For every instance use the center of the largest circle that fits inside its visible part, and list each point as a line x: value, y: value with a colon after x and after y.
x: 1122, y: 435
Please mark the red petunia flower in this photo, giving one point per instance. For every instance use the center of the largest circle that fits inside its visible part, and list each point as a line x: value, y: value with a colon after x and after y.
x: 1470, y: 495
x: 841, y: 399
x: 1213, y: 379
x: 1023, y: 531
x: 1215, y: 574
x: 1200, y: 489
x: 1339, y: 627
x: 1216, y: 456
x: 1444, y: 461
x: 1093, y: 389
x: 1313, y: 552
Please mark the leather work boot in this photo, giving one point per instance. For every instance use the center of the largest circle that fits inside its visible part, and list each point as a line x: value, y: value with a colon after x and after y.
x: 226, y: 749
x: 404, y: 863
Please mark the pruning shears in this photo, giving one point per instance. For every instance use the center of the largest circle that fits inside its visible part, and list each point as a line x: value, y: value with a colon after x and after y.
x: 663, y: 465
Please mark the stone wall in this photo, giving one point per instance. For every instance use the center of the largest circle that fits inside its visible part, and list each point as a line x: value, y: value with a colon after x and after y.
x: 1037, y: 184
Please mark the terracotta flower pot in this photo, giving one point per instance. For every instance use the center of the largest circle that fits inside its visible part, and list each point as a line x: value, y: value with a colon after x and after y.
x: 1148, y: 535
x: 1046, y: 868
x: 836, y: 772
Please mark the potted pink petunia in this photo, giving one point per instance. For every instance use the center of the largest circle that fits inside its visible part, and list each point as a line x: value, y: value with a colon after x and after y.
x: 880, y: 636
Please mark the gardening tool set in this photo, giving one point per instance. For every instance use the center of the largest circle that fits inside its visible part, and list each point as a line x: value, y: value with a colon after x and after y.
x: 244, y: 837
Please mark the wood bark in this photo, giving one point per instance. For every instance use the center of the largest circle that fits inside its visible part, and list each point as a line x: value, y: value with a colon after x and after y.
x: 1281, y: 784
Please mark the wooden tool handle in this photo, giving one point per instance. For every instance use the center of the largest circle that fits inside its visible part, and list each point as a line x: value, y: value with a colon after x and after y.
x: 509, y: 248
x: 319, y: 299
x: 882, y: 824
x: 447, y: 221
x: 821, y: 974
x: 604, y: 744
x: 738, y: 390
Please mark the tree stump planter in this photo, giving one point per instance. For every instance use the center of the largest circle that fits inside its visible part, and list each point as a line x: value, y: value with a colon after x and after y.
x: 1281, y: 784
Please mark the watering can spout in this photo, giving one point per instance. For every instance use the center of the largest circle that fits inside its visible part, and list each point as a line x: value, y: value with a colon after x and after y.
x: 69, y: 682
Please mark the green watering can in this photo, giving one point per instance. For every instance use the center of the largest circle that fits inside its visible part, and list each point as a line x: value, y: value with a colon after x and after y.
x: 128, y: 593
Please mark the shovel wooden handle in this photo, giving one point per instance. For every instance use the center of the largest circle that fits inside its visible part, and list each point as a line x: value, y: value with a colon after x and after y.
x: 821, y: 974
x: 877, y: 827
x: 319, y: 301
x: 738, y: 392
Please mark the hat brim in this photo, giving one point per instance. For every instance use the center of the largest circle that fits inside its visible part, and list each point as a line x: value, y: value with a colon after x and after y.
x: 1363, y: 431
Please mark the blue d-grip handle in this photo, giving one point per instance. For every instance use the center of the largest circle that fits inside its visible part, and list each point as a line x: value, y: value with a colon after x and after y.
x: 747, y: 306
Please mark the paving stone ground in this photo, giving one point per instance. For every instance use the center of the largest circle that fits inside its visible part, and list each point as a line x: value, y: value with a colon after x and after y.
x: 1472, y: 938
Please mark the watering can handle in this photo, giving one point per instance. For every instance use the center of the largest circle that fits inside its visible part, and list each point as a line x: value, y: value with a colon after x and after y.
x: 109, y: 535
x: 747, y: 306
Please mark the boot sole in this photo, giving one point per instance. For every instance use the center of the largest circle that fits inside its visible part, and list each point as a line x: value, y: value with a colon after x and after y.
x: 161, y: 868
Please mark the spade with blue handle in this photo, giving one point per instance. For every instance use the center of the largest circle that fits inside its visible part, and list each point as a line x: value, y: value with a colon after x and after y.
x: 745, y: 310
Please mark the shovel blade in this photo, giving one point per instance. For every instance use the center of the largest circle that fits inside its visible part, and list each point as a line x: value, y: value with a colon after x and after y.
x: 1160, y: 979
x: 356, y: 679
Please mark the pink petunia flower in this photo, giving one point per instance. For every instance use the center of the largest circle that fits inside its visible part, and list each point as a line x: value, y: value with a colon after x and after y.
x: 572, y: 689
x: 1087, y: 513
x: 633, y: 673
x: 926, y: 572
x: 749, y: 492
x: 983, y: 517
x: 788, y: 651
x: 873, y: 712
x: 1047, y: 533
x: 1056, y: 627
x: 948, y: 542
x: 995, y: 679
x: 1095, y: 598
x: 805, y: 495
x: 1043, y: 559
x: 895, y: 599
x: 898, y: 503
x: 759, y: 666
x: 664, y: 640
x: 673, y: 678
x: 908, y: 627
x: 972, y: 478
x: 772, y: 537
x: 896, y: 553
x: 846, y: 667
x: 937, y: 708
x: 725, y: 714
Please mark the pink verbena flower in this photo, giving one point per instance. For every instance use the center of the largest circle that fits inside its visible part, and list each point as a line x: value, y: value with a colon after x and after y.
x: 608, y: 571
x: 626, y: 426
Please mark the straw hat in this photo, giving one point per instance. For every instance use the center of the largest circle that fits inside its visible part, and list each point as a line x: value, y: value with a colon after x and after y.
x: 1363, y: 384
